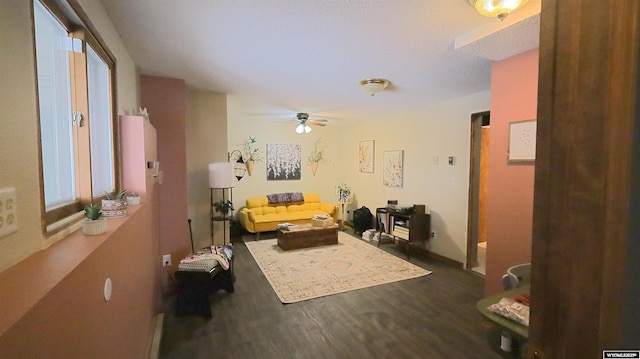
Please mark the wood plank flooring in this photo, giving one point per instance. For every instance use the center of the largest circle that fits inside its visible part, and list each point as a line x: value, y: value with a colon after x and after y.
x: 428, y: 317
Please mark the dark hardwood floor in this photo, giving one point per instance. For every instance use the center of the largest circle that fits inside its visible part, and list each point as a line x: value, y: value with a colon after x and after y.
x: 433, y: 316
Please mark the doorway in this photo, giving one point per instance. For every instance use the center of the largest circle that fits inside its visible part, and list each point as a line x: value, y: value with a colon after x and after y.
x: 478, y: 174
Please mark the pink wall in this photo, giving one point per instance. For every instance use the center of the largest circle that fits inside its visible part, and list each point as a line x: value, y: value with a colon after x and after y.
x: 71, y: 319
x: 165, y: 100
x: 514, y: 97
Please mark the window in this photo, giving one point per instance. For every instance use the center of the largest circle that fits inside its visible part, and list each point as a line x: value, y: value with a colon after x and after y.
x: 75, y: 96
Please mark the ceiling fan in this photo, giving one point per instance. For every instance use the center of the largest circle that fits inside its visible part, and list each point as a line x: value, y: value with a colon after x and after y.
x: 304, y: 121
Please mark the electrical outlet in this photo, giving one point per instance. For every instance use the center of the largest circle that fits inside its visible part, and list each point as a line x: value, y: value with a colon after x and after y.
x: 8, y: 211
x: 166, y: 260
x: 433, y: 234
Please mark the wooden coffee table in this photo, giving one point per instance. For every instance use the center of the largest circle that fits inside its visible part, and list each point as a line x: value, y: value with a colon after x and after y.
x: 305, y: 236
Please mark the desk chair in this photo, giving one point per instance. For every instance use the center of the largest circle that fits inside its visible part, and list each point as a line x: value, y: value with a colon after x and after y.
x: 516, y: 276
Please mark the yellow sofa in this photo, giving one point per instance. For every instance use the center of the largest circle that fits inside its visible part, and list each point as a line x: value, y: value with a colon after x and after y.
x: 261, y: 216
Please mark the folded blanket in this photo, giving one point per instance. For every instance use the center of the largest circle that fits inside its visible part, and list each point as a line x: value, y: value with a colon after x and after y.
x: 285, y: 197
x: 206, y: 259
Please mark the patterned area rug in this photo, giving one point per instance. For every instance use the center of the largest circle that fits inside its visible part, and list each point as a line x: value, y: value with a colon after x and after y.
x: 303, y: 274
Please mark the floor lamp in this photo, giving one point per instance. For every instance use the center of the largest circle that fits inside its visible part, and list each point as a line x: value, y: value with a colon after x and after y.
x: 220, y: 177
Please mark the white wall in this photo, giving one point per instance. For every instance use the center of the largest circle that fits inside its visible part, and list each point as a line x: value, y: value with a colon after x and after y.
x: 434, y: 131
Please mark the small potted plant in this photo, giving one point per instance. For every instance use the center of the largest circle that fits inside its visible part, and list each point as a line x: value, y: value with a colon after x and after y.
x: 93, y: 224
x: 133, y: 198
x: 223, y: 207
x: 315, y: 156
x: 115, y: 205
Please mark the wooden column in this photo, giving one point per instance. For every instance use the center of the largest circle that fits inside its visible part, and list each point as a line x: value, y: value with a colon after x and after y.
x: 584, y: 190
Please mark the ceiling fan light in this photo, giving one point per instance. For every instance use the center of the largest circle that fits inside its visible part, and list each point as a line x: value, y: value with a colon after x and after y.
x: 497, y: 8
x: 373, y: 86
x: 300, y: 129
x: 307, y: 129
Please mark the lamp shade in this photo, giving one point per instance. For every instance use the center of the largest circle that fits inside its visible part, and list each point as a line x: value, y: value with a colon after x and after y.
x: 221, y: 175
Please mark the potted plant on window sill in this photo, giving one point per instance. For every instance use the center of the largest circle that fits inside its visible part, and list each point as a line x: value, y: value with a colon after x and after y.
x: 93, y: 225
x: 133, y: 199
x: 115, y: 205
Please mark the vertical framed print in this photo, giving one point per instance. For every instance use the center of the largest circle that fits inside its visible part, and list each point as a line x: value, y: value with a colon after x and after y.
x: 392, y: 168
x: 522, y: 142
x: 284, y: 162
x: 365, y: 156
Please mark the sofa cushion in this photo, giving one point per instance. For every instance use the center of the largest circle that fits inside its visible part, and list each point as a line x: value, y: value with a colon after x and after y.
x: 256, y: 202
x: 311, y: 197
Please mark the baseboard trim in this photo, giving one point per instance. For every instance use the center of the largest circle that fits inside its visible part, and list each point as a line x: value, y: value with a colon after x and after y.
x: 445, y: 260
x: 154, y: 352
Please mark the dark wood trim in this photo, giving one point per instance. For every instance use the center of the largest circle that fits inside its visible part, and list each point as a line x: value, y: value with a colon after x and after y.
x: 586, y: 109
x: 473, y: 207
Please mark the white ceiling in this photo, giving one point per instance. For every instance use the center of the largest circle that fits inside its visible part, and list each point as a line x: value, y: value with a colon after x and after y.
x: 287, y: 56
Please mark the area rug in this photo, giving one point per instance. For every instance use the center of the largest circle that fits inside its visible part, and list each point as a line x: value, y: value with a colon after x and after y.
x: 352, y: 264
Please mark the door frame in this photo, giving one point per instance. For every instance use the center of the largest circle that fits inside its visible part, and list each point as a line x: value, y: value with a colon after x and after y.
x: 473, y: 207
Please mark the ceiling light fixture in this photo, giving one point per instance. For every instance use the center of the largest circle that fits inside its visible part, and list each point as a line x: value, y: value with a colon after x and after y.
x: 497, y: 8
x: 373, y: 86
x: 303, y: 127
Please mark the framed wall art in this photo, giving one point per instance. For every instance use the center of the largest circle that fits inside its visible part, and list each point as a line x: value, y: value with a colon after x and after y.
x: 284, y: 162
x: 392, y: 168
x: 522, y: 141
x: 365, y: 156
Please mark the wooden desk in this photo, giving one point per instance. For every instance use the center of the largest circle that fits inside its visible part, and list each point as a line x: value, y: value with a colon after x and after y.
x: 519, y: 332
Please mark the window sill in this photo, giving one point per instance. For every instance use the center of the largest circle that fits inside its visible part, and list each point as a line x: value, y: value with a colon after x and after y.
x: 34, y: 277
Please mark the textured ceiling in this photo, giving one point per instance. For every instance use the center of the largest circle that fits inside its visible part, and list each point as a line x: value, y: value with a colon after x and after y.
x: 287, y: 56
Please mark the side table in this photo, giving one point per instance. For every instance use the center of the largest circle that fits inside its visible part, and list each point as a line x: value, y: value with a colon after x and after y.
x: 195, y: 287
x: 342, y: 207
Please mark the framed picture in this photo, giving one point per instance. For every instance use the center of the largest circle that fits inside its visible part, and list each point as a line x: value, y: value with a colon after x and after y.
x: 392, y: 167
x: 365, y: 156
x: 522, y: 141
x: 284, y: 162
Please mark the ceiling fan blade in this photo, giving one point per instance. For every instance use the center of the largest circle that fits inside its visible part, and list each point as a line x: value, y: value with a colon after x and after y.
x: 318, y: 122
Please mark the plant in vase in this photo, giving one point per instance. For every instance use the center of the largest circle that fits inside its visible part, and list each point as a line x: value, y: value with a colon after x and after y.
x: 223, y: 207
x: 93, y: 224
x: 252, y: 154
x: 133, y: 199
x: 343, y: 191
x: 315, y: 156
x: 115, y: 205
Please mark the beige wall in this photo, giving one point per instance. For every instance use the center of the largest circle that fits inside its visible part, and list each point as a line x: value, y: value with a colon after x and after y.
x: 52, y: 303
x: 18, y: 129
x: 19, y: 124
x: 438, y: 130
x: 435, y: 131
x: 280, y: 130
x: 206, y: 143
